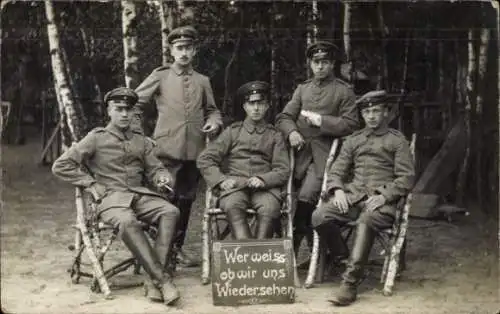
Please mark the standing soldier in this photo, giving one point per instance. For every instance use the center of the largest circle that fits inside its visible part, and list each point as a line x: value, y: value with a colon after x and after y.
x: 321, y: 109
x: 186, y: 114
x: 257, y: 165
x: 119, y: 160
x: 381, y: 164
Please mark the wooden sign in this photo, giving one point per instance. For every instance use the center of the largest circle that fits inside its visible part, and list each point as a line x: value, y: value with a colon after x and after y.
x: 252, y: 272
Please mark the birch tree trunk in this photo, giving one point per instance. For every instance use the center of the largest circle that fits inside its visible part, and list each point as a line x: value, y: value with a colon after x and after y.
x: 129, y: 30
x: 67, y: 106
x: 484, y: 40
x: 167, y: 23
x: 312, y: 29
x: 274, y: 74
x: 384, y: 72
x: 347, y: 40
x: 469, y: 89
x: 497, y: 9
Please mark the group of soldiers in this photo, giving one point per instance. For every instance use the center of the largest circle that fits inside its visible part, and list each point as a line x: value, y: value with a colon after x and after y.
x: 245, y: 165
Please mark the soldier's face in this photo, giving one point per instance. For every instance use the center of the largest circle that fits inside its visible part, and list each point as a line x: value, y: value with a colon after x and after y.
x: 120, y: 113
x: 183, y: 52
x: 321, y: 68
x: 257, y: 109
x: 375, y: 116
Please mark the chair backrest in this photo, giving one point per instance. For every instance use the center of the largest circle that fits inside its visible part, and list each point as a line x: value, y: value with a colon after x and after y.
x: 329, y: 161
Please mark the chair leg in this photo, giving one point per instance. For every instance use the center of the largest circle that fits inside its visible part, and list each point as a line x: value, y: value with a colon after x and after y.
x: 311, y: 274
x: 206, y: 233
x: 402, y: 258
x: 393, y: 265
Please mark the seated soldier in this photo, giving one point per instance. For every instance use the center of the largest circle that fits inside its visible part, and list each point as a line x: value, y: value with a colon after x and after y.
x: 381, y: 165
x: 118, y: 162
x: 257, y: 166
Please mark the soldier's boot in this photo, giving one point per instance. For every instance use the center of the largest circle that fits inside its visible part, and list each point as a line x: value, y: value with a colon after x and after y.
x: 331, y: 236
x: 354, y: 274
x: 182, y: 257
x: 302, y: 224
x: 136, y: 241
x: 265, y: 227
x: 163, y: 247
x: 238, y: 224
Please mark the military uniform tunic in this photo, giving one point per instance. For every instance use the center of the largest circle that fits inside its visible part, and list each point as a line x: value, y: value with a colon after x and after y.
x: 121, y: 162
x: 250, y: 150
x: 333, y: 99
x: 379, y: 162
x: 185, y: 101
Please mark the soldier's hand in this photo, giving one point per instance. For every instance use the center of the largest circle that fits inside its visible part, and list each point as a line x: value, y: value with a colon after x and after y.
x: 340, y: 201
x: 374, y: 202
x: 97, y: 191
x: 210, y: 129
x: 228, y: 184
x: 255, y: 183
x: 296, y: 140
x: 312, y: 118
x: 164, y: 182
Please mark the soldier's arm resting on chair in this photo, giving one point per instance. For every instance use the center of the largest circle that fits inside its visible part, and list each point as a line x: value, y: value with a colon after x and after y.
x: 286, y: 120
x: 337, y: 174
x: 210, y: 159
x: 70, y: 166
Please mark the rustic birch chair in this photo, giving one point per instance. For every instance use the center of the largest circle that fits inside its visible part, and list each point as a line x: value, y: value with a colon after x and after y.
x: 215, y: 225
x: 96, y: 238
x: 392, y: 240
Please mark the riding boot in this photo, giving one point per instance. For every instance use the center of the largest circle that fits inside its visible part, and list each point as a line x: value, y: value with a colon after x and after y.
x: 302, y: 225
x: 354, y: 273
x: 183, y: 259
x: 330, y: 234
x: 136, y: 241
x: 238, y: 224
x: 163, y: 247
x: 264, y: 227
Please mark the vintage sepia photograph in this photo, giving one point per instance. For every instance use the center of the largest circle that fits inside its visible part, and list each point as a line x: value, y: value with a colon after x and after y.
x: 272, y: 156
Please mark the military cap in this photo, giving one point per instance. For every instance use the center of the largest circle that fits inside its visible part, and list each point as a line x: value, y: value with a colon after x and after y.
x: 122, y: 93
x: 183, y: 33
x: 323, y: 50
x: 253, y: 91
x: 372, y: 98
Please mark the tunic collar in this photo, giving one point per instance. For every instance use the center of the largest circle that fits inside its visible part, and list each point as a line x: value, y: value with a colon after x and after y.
x: 180, y: 70
x: 122, y: 135
x: 323, y: 81
x: 251, y: 126
x: 378, y: 132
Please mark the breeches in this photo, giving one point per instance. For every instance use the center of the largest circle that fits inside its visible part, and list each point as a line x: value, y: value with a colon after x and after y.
x: 145, y: 208
x: 379, y: 219
x: 263, y: 202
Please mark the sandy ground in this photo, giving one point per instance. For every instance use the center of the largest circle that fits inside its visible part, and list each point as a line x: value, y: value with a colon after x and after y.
x: 452, y: 268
